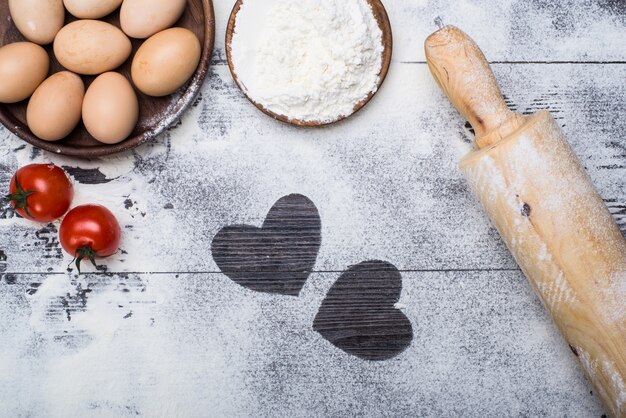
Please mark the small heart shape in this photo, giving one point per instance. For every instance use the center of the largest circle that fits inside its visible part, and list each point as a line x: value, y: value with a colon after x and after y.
x: 358, y: 314
x: 279, y: 256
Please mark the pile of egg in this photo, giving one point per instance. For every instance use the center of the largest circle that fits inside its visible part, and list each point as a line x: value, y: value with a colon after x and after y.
x: 109, y: 108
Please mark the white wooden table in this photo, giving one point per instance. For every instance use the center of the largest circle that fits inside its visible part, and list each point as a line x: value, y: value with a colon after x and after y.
x: 163, y: 332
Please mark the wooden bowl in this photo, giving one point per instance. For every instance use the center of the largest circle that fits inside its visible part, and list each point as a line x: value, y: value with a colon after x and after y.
x: 383, y: 22
x: 155, y: 113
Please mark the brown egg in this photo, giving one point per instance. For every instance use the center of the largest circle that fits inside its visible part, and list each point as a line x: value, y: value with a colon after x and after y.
x: 54, y: 109
x: 23, y: 67
x: 143, y: 18
x: 110, y: 108
x: 91, y: 47
x: 38, y: 20
x: 166, y: 61
x: 91, y: 9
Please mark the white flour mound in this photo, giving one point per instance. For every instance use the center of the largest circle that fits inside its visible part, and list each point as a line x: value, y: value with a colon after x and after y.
x: 311, y: 60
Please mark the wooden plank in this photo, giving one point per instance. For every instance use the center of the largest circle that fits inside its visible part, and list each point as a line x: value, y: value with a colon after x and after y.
x: 468, y: 337
x: 198, y: 344
x: 387, y: 189
x: 507, y: 30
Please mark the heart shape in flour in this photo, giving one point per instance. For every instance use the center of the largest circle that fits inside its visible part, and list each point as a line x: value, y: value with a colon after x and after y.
x: 358, y: 314
x: 279, y: 256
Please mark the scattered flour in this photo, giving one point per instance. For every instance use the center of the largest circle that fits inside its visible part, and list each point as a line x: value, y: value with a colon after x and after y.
x: 205, y: 349
x: 311, y: 60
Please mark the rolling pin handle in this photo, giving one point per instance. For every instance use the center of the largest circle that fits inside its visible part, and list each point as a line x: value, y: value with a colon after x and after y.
x: 463, y: 73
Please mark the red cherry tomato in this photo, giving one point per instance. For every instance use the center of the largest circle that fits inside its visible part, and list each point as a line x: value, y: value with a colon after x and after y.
x: 41, y: 192
x: 90, y: 231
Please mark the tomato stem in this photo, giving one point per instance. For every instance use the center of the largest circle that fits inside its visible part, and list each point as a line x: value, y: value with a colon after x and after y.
x: 85, y: 252
x: 21, y: 197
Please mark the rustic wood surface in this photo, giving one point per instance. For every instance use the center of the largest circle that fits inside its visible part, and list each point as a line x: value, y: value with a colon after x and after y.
x: 163, y: 331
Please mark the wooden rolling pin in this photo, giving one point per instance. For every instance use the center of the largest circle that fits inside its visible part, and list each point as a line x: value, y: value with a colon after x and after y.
x: 546, y: 209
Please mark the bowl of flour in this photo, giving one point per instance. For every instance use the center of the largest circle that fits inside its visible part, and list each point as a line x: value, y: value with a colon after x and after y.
x: 309, y: 62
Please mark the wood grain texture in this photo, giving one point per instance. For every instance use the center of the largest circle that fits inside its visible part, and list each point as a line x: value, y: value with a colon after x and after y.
x: 414, y: 211
x: 359, y: 313
x: 279, y: 256
x: 513, y: 31
x: 182, y: 338
x: 380, y: 14
x: 194, y: 343
x: 155, y: 113
x: 463, y: 73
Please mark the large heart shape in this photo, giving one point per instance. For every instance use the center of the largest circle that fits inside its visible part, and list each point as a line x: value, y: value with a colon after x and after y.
x: 279, y: 256
x: 358, y: 313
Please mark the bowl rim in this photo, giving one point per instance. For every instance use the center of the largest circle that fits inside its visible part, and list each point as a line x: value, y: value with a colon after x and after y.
x: 382, y: 18
x: 183, y: 102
